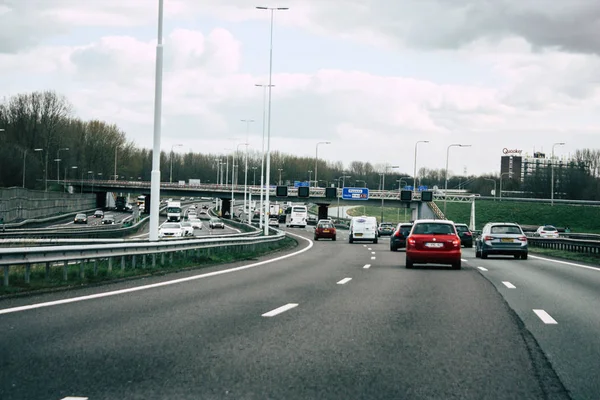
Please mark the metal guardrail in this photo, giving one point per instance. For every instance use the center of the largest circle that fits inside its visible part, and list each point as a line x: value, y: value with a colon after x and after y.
x: 63, y: 255
x: 571, y: 245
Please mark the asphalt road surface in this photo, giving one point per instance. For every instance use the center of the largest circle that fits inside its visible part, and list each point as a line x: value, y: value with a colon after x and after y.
x: 333, y: 320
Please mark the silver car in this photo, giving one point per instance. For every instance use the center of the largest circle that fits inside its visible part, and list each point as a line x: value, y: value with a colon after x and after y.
x: 216, y: 223
x: 501, y: 238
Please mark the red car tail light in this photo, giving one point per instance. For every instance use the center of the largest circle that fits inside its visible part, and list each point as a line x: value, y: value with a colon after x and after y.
x: 468, y: 234
x: 523, y: 238
x: 411, y: 242
x: 456, y: 243
x: 487, y: 238
x: 398, y: 234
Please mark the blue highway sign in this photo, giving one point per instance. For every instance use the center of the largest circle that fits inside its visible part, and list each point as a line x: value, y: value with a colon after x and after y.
x: 353, y: 193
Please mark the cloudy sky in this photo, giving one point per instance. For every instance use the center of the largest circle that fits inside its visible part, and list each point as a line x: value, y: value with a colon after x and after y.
x: 371, y: 76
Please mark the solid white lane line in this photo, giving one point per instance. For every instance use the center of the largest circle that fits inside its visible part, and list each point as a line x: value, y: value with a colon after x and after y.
x: 565, y: 263
x: 367, y: 266
x: 372, y: 252
x: 160, y: 284
x: 509, y: 285
x: 483, y: 269
x: 344, y: 281
x: 545, y: 317
x: 75, y: 398
x: 372, y: 258
x: 280, y: 310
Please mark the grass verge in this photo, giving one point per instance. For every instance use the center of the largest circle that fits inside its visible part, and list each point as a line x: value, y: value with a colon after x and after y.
x: 567, y: 256
x: 390, y: 214
x: 95, y: 274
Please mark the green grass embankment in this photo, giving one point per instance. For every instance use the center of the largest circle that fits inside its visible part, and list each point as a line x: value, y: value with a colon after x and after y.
x: 579, y: 218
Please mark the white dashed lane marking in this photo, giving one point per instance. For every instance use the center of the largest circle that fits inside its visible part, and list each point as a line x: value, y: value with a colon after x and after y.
x: 481, y: 268
x: 367, y: 266
x: 545, y: 317
x: 509, y: 285
x: 280, y: 310
x: 344, y: 281
x: 372, y: 258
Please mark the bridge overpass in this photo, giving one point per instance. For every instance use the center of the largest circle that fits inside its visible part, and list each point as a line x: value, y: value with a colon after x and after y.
x: 236, y: 192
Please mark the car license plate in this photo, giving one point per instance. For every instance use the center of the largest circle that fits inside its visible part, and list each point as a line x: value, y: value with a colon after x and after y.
x: 358, y: 234
x: 507, y: 240
x: 325, y: 230
x: 434, y: 245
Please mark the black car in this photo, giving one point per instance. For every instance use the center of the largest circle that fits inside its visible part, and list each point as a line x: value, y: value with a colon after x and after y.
x: 465, y: 234
x: 398, y: 238
x: 385, y: 229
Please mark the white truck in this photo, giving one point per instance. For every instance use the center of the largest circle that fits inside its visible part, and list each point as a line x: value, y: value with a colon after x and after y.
x: 174, y: 211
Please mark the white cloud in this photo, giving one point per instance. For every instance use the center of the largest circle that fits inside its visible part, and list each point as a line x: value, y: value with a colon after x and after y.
x: 535, y: 93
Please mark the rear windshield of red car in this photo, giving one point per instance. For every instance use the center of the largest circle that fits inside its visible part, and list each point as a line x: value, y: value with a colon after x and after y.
x: 325, y: 226
x: 433, y: 228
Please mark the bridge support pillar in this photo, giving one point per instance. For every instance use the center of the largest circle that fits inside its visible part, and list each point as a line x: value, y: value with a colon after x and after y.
x: 226, y: 208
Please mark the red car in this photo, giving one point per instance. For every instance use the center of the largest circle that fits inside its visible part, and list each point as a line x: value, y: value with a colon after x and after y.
x: 433, y: 242
x: 325, y: 230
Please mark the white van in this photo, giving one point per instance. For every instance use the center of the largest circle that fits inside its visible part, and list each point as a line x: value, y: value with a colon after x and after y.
x: 363, y: 228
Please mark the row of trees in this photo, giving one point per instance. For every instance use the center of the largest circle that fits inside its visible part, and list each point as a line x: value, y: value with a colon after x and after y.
x: 39, y: 127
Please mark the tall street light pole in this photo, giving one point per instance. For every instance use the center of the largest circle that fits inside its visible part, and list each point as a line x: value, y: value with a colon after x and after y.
x: 494, y: 181
x: 171, y: 173
x: 262, y: 153
x: 155, y: 175
x: 248, y: 122
x: 415, y: 169
x: 317, y: 161
x: 552, y: 168
x: 58, y: 163
x: 501, y: 175
x: 234, y: 163
x: 383, y: 185
x: 116, y: 149
x: 279, y: 169
x: 254, y: 177
x: 268, y: 160
x: 310, y: 178
x: 343, y: 178
x: 446, y: 174
x: 24, y: 157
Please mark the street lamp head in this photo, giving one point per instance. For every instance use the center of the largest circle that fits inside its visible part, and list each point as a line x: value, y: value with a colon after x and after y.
x: 38, y: 149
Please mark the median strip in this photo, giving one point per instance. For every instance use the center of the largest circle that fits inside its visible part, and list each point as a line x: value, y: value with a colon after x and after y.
x: 280, y: 310
x: 344, y: 281
x: 545, y: 317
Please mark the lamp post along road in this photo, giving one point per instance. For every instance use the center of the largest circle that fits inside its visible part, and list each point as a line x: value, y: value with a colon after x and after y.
x: 446, y: 174
x: 262, y: 153
x: 116, y: 150
x: 58, y: 163
x: 268, y: 160
x: 552, y: 172
x: 317, y: 161
x: 248, y: 122
x: 501, y: 175
x: 494, y: 181
x: 383, y: 185
x: 155, y: 174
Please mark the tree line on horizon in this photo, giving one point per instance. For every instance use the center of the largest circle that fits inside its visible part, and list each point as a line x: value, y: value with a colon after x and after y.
x: 39, y: 126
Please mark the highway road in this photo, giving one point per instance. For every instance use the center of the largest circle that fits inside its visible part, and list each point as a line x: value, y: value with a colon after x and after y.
x: 327, y: 320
